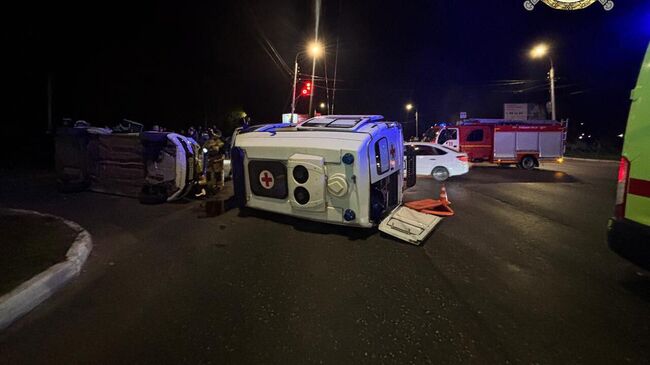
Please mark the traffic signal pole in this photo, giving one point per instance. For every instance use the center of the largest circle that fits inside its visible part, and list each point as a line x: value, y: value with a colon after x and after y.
x: 295, y: 82
x: 311, y: 94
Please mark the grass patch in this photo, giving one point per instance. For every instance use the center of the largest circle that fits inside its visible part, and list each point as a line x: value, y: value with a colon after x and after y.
x: 29, y: 244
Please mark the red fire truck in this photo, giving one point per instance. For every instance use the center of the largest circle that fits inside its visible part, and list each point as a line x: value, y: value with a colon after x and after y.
x: 506, y: 142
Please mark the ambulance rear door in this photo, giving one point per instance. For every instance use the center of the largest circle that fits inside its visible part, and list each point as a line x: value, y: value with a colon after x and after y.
x: 409, y: 225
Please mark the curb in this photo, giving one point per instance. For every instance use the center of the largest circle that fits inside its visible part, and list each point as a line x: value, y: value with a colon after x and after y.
x: 34, y: 291
x: 589, y: 159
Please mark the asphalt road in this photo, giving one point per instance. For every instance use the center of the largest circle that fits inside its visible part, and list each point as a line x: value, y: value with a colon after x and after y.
x: 521, y: 274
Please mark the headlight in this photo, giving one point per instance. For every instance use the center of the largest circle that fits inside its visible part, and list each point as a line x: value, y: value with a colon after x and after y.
x: 301, y: 195
x: 300, y: 174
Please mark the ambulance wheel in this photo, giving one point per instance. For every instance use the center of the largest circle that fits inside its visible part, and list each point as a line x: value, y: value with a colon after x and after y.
x: 528, y: 163
x: 440, y: 173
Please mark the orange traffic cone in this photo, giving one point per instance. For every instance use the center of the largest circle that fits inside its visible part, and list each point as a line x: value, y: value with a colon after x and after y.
x: 443, y: 196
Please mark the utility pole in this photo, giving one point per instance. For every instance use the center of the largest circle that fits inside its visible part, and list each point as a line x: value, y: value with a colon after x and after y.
x: 311, y: 95
x: 551, y: 75
x: 540, y: 51
x: 295, y: 82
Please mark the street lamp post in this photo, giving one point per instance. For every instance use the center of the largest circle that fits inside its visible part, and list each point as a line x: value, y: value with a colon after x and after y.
x: 551, y: 74
x: 295, y: 81
x: 315, y: 50
x: 540, y: 51
x: 409, y: 106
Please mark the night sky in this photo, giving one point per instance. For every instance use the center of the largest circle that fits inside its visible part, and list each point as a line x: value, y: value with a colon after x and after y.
x: 179, y: 64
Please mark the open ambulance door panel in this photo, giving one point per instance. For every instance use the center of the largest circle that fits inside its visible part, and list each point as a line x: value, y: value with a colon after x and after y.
x: 409, y: 225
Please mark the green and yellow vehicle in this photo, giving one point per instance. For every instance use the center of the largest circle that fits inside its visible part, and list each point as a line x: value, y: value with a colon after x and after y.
x: 629, y: 229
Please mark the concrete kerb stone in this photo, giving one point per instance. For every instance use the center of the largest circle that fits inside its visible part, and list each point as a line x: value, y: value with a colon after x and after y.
x: 34, y: 291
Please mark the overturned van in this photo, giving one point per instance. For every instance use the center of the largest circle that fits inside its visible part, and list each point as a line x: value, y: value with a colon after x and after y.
x: 152, y: 166
x: 340, y: 169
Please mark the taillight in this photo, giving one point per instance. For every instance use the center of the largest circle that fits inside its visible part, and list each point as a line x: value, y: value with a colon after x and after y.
x: 621, y: 188
x: 462, y: 158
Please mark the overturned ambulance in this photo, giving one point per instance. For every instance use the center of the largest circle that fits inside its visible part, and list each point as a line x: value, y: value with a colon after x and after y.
x: 341, y: 169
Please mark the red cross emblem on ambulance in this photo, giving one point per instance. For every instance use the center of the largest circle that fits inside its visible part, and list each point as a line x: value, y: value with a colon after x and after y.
x: 266, y: 179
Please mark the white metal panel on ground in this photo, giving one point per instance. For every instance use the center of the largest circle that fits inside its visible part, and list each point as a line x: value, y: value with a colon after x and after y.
x: 409, y: 225
x: 504, y: 145
x: 550, y: 144
x: 527, y: 141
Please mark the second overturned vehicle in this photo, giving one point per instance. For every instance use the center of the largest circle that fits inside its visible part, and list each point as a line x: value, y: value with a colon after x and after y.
x: 340, y: 169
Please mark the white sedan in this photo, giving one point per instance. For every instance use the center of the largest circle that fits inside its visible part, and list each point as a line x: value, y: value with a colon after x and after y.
x: 439, y: 162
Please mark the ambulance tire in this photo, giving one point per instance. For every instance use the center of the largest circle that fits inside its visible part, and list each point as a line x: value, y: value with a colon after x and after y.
x: 528, y: 163
x: 440, y: 173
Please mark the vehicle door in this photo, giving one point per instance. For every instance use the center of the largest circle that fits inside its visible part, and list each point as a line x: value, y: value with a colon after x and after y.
x: 425, y: 159
x: 477, y: 143
x: 409, y: 225
x: 448, y: 137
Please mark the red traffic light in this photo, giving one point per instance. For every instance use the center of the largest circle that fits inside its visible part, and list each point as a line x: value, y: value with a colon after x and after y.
x: 306, y: 89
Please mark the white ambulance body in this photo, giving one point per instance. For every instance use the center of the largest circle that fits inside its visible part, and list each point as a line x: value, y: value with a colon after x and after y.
x: 341, y: 169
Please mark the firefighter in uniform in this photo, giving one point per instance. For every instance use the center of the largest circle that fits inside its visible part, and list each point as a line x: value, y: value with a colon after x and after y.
x: 213, y: 179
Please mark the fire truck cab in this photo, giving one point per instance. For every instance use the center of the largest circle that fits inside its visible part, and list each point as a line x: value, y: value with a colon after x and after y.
x: 505, y: 142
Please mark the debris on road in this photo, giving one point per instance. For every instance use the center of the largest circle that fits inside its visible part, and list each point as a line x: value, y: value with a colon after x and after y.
x: 409, y: 225
x: 439, y: 207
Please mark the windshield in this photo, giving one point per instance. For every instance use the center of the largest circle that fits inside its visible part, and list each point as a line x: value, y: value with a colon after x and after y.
x: 446, y: 135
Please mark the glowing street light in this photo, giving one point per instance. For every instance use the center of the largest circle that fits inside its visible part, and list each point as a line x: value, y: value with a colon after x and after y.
x: 539, y: 51
x: 315, y: 49
x: 322, y: 105
x: 409, y: 107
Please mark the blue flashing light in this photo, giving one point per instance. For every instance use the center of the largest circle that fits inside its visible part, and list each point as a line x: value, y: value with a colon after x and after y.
x: 348, y: 159
x: 349, y: 215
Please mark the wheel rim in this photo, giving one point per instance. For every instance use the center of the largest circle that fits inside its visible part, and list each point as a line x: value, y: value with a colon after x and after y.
x: 527, y: 162
x: 440, y: 174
